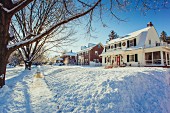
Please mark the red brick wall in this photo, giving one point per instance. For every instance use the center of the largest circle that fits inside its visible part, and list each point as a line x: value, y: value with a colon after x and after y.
x: 94, y: 56
x: 91, y: 54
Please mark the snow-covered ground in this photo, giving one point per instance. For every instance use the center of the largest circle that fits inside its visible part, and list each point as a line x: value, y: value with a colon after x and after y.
x: 87, y: 89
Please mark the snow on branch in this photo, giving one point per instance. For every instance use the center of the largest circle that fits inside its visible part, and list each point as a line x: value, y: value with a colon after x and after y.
x: 38, y: 37
x: 5, y: 9
x: 18, y: 5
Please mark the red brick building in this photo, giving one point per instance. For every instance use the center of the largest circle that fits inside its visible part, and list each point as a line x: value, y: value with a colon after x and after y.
x: 69, y: 58
x: 90, y: 55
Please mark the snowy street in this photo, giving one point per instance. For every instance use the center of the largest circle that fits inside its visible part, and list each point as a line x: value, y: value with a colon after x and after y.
x: 86, y: 89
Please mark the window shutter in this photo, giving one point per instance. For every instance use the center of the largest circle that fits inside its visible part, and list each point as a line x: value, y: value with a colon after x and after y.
x: 128, y: 43
x: 127, y: 58
x: 136, y: 57
x: 135, y: 42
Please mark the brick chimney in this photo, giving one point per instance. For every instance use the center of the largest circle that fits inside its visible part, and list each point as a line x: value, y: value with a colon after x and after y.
x: 149, y: 24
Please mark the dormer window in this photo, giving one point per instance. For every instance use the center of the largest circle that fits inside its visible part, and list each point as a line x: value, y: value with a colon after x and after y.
x: 118, y: 45
x: 131, y: 43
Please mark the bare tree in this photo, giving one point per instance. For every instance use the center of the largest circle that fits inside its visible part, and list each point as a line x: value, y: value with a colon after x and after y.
x: 15, y: 58
x: 36, y: 17
x: 10, y: 7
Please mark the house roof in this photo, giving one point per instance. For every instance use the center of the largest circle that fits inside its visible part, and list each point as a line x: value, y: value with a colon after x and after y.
x: 89, y: 48
x: 129, y: 36
x: 60, y: 59
x: 70, y: 54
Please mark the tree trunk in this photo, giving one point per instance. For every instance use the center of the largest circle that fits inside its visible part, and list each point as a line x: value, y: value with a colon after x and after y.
x: 28, y: 65
x: 4, y: 38
x: 3, y: 63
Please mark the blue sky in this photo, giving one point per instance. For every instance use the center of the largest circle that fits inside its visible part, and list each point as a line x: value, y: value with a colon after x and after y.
x: 134, y: 21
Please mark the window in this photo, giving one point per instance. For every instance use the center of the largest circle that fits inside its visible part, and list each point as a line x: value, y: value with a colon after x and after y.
x: 131, y: 58
x: 97, y: 60
x: 131, y: 43
x: 96, y: 52
x: 149, y: 42
x: 157, y: 44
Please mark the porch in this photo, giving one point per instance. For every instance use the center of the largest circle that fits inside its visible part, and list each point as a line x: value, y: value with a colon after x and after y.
x: 157, y: 58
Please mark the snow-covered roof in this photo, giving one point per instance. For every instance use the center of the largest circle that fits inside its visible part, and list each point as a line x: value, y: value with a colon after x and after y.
x: 70, y: 54
x: 89, y: 48
x: 128, y: 36
x: 59, y: 58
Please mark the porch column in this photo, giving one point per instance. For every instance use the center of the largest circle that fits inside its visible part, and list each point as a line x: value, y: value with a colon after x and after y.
x: 169, y: 56
x: 143, y: 62
x: 152, y: 58
x: 166, y: 58
x: 111, y: 59
x: 162, y: 59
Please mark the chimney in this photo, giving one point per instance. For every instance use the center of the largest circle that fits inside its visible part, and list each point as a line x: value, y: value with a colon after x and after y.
x: 83, y: 47
x: 149, y: 24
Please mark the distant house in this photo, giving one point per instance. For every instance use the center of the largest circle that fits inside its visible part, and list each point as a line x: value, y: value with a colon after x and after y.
x: 139, y: 48
x: 90, y: 55
x: 69, y: 57
x: 58, y: 60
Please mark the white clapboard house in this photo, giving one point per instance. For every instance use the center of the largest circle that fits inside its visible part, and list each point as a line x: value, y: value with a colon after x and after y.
x: 139, y: 48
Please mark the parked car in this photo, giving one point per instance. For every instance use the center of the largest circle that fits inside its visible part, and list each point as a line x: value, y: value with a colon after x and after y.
x: 59, y: 64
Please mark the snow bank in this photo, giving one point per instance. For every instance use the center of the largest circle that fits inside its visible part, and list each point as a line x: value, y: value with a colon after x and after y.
x: 119, y: 90
x: 89, y: 90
